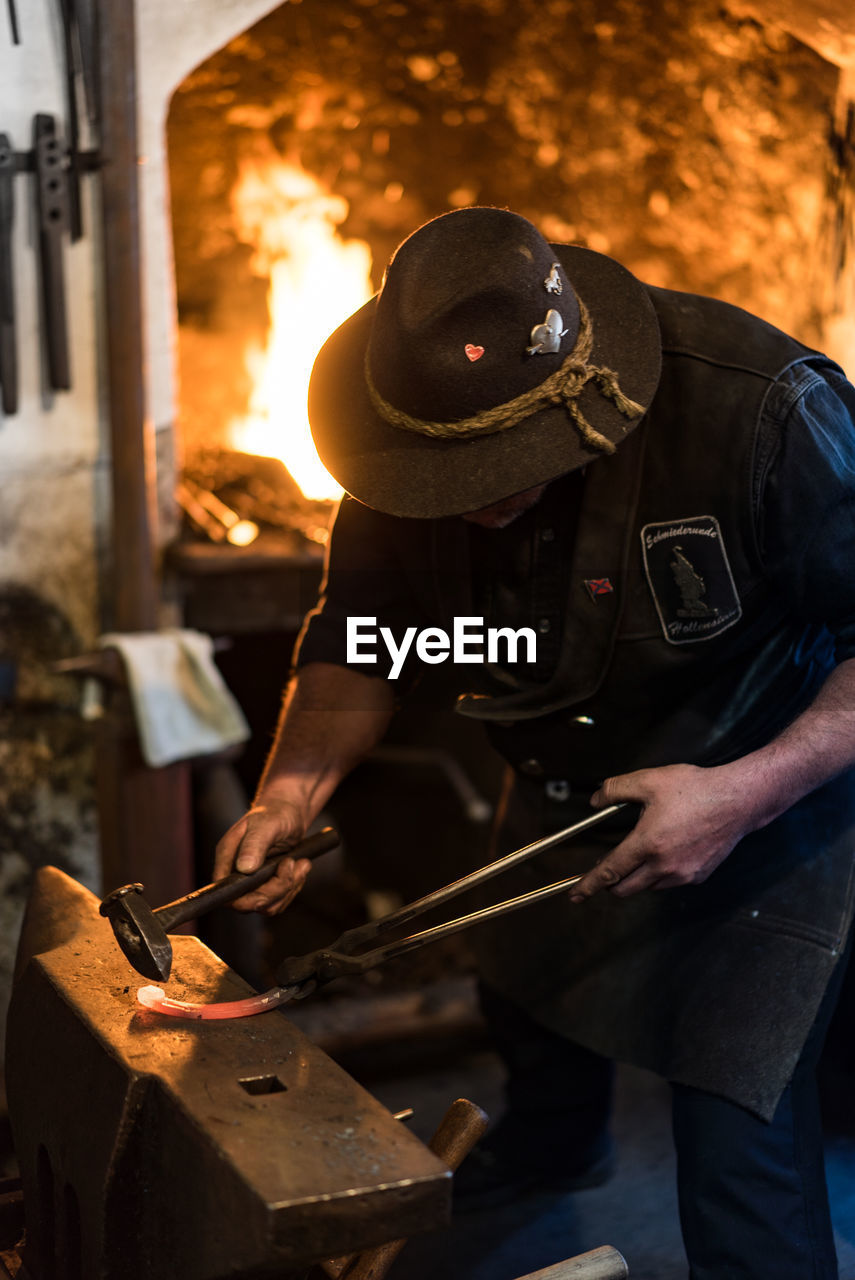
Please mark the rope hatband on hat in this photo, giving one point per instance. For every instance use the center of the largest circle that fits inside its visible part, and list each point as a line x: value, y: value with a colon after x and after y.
x: 564, y: 386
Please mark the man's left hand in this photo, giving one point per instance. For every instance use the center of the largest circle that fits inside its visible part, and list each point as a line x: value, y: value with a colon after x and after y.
x: 690, y: 821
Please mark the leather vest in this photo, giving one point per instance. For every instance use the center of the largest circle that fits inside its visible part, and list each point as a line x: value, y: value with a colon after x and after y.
x: 691, y: 656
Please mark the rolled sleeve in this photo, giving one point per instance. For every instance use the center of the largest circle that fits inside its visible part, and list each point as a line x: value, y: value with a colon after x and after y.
x: 806, y: 498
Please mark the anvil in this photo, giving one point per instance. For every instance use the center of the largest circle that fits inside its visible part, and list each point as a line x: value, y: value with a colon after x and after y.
x: 206, y: 1150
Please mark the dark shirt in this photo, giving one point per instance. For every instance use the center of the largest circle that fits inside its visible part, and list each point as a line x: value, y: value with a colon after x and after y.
x: 520, y: 574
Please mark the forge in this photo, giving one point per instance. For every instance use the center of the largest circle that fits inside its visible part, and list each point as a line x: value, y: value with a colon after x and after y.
x: 149, y: 1148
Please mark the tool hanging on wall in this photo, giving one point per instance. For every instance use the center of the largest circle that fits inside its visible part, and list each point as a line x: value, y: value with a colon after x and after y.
x: 13, y: 22
x: 52, y: 211
x: 83, y: 20
x: 58, y: 168
x: 8, y: 343
x: 71, y: 50
x: 50, y: 161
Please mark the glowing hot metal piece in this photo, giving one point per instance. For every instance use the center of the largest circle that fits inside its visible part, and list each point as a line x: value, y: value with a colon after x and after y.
x: 156, y: 999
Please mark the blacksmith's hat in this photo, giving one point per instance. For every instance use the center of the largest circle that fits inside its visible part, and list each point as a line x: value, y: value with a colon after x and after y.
x: 490, y: 362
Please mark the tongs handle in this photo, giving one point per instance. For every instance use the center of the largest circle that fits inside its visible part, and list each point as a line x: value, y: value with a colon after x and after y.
x: 334, y: 964
x: 364, y: 933
x: 338, y: 959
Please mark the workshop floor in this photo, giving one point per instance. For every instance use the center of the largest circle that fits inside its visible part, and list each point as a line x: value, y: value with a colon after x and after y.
x: 636, y: 1212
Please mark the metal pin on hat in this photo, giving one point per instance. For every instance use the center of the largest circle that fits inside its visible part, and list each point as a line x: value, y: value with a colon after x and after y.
x: 546, y: 337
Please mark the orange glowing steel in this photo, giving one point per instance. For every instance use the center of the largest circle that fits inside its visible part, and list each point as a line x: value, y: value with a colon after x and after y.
x: 316, y: 281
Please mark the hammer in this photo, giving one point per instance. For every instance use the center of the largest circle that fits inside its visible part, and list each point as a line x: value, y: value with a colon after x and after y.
x: 142, y: 932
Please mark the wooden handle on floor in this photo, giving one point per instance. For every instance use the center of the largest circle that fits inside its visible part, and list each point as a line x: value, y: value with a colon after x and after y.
x: 604, y: 1263
x: 460, y: 1128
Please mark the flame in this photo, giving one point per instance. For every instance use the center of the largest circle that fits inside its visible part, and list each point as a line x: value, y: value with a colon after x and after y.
x: 316, y: 281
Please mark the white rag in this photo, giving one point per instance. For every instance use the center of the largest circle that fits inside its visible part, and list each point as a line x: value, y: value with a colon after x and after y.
x: 182, y: 705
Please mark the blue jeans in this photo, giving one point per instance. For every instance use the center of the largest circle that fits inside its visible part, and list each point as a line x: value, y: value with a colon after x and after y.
x: 753, y: 1197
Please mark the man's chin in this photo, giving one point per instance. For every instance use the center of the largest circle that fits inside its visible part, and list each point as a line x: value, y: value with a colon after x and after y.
x: 491, y: 520
x: 503, y: 513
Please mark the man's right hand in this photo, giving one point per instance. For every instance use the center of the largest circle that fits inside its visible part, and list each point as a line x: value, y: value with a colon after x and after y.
x: 266, y: 827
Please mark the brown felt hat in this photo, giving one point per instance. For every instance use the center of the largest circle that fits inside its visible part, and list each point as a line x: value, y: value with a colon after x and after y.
x: 490, y: 362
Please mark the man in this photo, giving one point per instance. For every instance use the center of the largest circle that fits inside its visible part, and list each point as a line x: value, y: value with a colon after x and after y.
x: 662, y: 489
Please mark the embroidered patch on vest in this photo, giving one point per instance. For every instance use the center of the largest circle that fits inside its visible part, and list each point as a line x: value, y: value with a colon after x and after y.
x: 690, y: 579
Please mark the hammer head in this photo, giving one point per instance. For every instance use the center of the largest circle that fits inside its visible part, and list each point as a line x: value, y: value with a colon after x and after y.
x: 138, y: 931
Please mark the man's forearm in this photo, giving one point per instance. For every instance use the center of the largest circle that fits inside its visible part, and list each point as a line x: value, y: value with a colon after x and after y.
x: 331, y: 719
x: 693, y: 817
x: 816, y: 747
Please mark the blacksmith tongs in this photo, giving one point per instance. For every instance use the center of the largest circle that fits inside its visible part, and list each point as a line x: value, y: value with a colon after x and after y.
x: 298, y: 976
x: 305, y: 973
